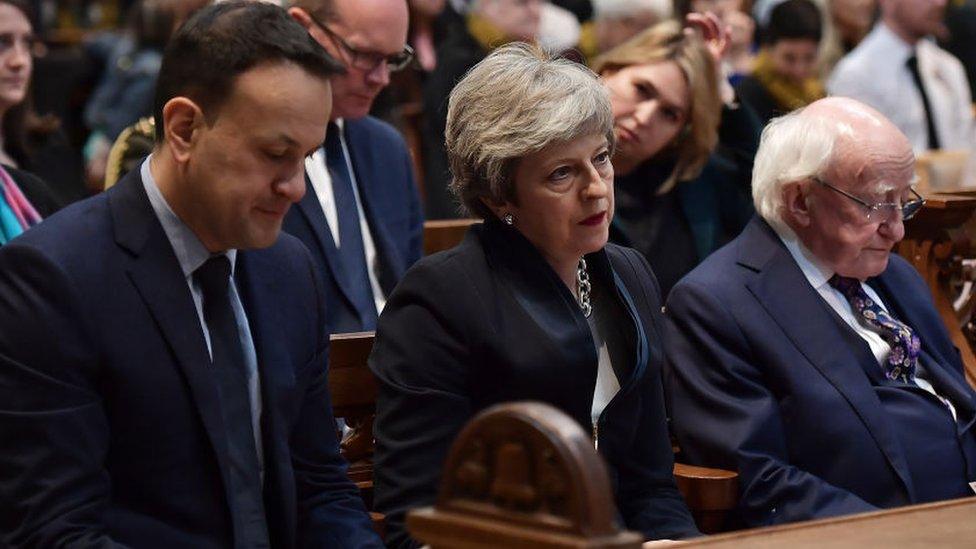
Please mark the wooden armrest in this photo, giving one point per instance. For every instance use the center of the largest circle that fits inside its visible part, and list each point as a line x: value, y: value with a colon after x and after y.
x: 707, y: 489
x: 379, y: 523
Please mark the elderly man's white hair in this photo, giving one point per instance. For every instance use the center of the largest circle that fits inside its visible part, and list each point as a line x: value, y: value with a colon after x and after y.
x: 619, y: 9
x: 809, y: 142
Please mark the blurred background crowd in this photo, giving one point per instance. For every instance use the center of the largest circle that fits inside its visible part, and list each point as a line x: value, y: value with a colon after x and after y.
x: 86, y: 69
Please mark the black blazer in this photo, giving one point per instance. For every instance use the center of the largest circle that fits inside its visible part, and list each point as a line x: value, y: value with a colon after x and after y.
x: 111, y: 428
x: 489, y: 321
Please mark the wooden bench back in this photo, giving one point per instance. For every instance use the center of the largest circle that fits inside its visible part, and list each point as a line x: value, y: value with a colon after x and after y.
x: 522, y: 474
x: 444, y: 234
x: 710, y: 493
x: 935, y: 241
x: 353, y: 391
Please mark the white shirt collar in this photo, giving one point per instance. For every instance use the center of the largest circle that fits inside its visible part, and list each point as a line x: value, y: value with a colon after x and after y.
x: 813, y: 269
x: 893, y: 45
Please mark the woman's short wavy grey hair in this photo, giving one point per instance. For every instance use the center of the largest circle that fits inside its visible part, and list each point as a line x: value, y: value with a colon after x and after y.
x: 514, y: 102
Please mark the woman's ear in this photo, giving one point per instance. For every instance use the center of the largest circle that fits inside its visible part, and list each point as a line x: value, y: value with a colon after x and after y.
x: 499, y: 208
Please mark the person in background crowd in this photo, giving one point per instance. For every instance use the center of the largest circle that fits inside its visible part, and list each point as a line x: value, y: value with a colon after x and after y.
x: 919, y: 86
x: 807, y: 356
x: 361, y: 216
x: 960, y: 36
x: 853, y: 20
x: 25, y: 199
x: 163, y: 371
x: 739, y: 60
x: 734, y: 15
x: 423, y: 14
x: 125, y: 92
x: 785, y: 74
x: 534, y: 304
x: 616, y: 21
x: 487, y: 24
x: 845, y: 24
x: 682, y: 179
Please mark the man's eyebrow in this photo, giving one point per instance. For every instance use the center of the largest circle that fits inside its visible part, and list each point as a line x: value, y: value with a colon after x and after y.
x: 281, y: 137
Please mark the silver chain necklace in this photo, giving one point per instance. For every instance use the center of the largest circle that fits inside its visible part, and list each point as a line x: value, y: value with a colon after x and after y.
x: 583, y: 288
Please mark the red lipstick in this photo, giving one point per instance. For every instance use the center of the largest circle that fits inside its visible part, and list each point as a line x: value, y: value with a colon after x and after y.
x: 594, y: 219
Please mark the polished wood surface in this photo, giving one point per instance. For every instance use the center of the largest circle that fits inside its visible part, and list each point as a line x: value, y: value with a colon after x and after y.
x: 444, y: 234
x: 353, y: 390
x: 933, y: 240
x: 522, y: 475
x: 943, y: 525
x: 710, y: 494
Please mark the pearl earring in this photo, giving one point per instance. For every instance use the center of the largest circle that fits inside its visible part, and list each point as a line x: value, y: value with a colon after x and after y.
x: 508, y: 219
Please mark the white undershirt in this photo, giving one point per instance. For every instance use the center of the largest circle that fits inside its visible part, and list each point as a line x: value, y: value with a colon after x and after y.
x: 607, y: 384
x: 819, y: 276
x: 318, y: 174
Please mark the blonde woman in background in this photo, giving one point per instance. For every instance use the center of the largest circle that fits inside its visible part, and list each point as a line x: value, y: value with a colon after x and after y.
x: 684, y: 153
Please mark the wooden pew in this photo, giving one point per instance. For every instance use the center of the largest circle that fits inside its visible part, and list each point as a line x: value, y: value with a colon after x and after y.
x: 522, y: 474
x: 710, y: 493
x: 945, y: 525
x: 352, y: 388
x: 934, y: 240
x: 444, y: 234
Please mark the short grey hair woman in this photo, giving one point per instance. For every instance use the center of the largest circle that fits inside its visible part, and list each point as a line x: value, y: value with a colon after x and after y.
x: 533, y: 304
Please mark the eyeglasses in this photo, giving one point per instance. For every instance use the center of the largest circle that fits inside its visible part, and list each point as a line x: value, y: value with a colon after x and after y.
x: 883, y: 212
x: 368, y: 61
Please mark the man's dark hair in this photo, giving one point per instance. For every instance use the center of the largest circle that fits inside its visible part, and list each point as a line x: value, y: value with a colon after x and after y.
x: 794, y: 20
x: 222, y: 41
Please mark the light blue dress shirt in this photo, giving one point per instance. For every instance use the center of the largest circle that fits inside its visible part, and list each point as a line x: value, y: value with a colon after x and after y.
x: 191, y: 254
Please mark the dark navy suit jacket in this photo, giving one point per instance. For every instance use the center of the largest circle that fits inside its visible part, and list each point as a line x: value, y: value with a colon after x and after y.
x: 763, y: 380
x: 109, y: 415
x: 384, y: 175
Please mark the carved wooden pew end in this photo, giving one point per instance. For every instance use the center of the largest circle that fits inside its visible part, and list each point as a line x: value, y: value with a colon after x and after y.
x: 522, y: 475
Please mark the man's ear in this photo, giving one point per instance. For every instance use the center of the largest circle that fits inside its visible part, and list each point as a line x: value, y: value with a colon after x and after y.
x: 301, y: 17
x: 796, y: 203
x: 181, y: 120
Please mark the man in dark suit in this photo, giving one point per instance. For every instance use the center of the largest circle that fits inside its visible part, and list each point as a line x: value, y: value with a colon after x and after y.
x: 804, y: 354
x: 361, y: 217
x: 162, y: 357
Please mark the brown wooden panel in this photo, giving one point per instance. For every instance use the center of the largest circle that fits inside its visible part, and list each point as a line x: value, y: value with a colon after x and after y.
x: 943, y: 525
x: 932, y: 239
x: 522, y: 475
x: 444, y: 234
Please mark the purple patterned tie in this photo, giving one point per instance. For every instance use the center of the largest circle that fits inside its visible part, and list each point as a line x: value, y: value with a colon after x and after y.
x: 903, y: 359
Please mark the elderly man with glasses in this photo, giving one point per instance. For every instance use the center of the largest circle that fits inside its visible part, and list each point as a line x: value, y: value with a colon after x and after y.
x: 808, y: 357
x: 361, y: 216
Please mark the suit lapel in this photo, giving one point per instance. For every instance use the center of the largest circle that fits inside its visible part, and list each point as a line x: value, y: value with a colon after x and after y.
x: 311, y: 209
x: 391, y: 264
x: 782, y: 289
x: 157, y: 276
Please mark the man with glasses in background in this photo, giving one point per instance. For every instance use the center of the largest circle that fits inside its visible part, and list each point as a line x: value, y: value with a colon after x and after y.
x: 808, y: 357
x: 361, y: 216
